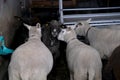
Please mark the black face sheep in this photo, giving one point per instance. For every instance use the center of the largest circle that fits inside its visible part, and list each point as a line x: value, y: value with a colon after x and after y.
x: 50, y: 32
x: 83, y: 61
x: 104, y: 40
x: 31, y: 60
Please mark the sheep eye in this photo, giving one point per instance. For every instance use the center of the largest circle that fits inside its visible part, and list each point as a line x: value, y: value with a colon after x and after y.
x: 62, y: 31
x: 80, y: 24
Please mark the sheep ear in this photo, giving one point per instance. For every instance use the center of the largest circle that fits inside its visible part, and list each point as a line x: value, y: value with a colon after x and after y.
x: 26, y: 25
x: 63, y: 26
x: 38, y: 25
x: 77, y: 24
x: 89, y: 20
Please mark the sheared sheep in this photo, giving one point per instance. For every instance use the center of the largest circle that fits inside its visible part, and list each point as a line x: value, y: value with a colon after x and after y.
x: 32, y: 60
x: 104, y: 40
x: 84, y: 62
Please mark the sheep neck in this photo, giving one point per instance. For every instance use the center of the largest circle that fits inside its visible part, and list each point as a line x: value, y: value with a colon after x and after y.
x: 34, y: 37
x: 71, y: 40
x: 87, y: 32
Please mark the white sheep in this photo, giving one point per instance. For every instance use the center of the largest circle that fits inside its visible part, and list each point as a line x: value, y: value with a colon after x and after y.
x: 32, y: 60
x: 84, y: 62
x: 104, y: 40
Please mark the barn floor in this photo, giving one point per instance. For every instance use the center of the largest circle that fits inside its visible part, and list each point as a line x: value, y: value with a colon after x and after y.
x: 60, y: 69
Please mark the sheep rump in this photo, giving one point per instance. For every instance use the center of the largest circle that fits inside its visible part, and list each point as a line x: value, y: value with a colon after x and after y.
x: 32, y: 60
x: 83, y: 60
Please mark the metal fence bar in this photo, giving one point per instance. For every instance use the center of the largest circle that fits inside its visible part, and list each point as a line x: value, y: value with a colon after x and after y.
x: 61, y: 11
x: 112, y: 18
x: 91, y: 15
x: 94, y: 24
x: 84, y: 9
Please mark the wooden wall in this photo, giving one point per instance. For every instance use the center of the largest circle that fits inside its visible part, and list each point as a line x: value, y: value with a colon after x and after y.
x: 8, y: 9
x: 54, y: 3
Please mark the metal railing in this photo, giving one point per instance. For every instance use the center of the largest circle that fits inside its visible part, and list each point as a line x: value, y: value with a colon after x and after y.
x: 98, y: 19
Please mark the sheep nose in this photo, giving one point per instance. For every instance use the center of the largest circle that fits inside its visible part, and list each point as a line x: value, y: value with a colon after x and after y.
x: 54, y: 33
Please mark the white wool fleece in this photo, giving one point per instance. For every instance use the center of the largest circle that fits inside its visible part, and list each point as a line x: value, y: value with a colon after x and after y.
x: 84, y: 62
x: 32, y: 60
x: 104, y: 40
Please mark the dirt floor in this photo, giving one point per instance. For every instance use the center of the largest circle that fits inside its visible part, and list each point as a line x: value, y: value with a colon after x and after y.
x: 60, y: 69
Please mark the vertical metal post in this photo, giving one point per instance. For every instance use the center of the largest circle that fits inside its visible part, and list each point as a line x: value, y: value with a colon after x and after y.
x: 61, y: 11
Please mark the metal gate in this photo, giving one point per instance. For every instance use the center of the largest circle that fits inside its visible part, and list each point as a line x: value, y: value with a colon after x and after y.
x: 98, y: 19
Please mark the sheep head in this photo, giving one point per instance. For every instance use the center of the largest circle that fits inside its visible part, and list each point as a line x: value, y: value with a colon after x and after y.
x: 34, y: 31
x: 82, y: 26
x: 55, y: 28
x: 66, y: 34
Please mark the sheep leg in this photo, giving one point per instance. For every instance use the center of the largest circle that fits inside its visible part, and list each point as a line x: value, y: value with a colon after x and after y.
x: 39, y: 76
x: 71, y: 76
x: 98, y: 76
x: 13, y: 75
x: 91, y: 74
x: 81, y: 76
